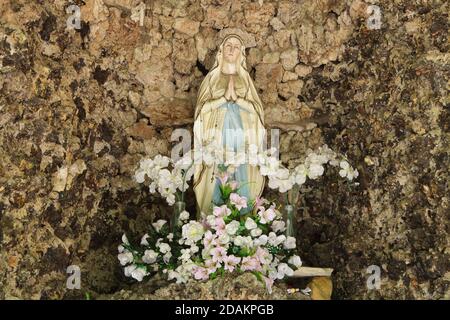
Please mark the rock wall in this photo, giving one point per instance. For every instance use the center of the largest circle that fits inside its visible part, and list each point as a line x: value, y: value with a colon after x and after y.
x: 80, y: 107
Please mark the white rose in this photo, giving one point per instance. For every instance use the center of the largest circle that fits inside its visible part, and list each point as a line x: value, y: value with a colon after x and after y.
x: 184, y: 215
x: 290, y: 243
x: 125, y: 239
x: 250, y: 224
x: 127, y: 270
x: 243, y: 241
x: 144, y: 241
x: 278, y: 226
x: 232, y: 227
x: 193, y: 231
x: 150, y: 256
x: 315, y: 170
x: 211, y: 220
x: 164, y: 247
x: 159, y: 224
x: 296, y: 261
x: 167, y: 257
x: 280, y: 239
x: 261, y: 241
x: 284, y: 269
x: 125, y: 258
x: 224, y: 238
x: 138, y: 274
x: 256, y: 232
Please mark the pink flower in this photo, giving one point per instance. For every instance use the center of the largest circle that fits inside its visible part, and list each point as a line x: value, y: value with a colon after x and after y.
x: 250, y: 264
x: 211, y: 266
x: 219, y: 226
x: 230, y: 262
x: 234, y: 185
x: 238, y: 201
x: 221, y: 211
x: 266, y: 216
x: 218, y: 254
x: 269, y: 283
x: 223, y: 178
x: 262, y: 255
x: 200, y: 273
x: 259, y: 202
x: 209, y: 239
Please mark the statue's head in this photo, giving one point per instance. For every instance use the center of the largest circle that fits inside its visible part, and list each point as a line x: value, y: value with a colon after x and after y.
x: 232, y: 47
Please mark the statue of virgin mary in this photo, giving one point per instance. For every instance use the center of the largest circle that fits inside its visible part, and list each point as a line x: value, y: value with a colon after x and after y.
x: 229, y: 115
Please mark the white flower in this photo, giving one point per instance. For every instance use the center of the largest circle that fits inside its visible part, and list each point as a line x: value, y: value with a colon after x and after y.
x: 125, y: 258
x: 284, y: 269
x: 232, y: 227
x: 290, y: 243
x: 144, y: 241
x: 167, y: 257
x: 121, y: 248
x: 243, y: 241
x: 261, y: 241
x: 125, y: 239
x: 184, y: 215
x: 282, y: 180
x: 149, y: 256
x: 139, y: 175
x: 278, y: 226
x: 316, y: 158
x: 193, y: 231
x: 300, y: 173
x: 159, y: 224
x: 250, y: 224
x: 185, y: 254
x: 296, y: 261
x: 266, y: 216
x: 170, y: 236
x: 347, y: 171
x: 269, y: 166
x: 224, y: 238
x: 138, y: 274
x: 194, y: 248
x: 128, y: 269
x: 211, y: 220
x: 164, y: 247
x: 275, y: 240
x: 256, y: 232
x: 315, y: 170
x: 161, y: 161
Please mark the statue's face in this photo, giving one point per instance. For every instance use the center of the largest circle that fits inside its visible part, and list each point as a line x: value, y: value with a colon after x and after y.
x: 231, y: 50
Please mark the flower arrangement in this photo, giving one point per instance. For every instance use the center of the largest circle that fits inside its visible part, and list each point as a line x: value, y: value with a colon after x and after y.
x: 170, y: 183
x: 239, y: 234
x: 223, y: 241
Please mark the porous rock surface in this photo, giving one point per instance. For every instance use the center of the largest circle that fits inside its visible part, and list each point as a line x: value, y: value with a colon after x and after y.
x: 80, y: 107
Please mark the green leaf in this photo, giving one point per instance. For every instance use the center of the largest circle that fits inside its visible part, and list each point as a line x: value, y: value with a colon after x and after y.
x: 258, y: 275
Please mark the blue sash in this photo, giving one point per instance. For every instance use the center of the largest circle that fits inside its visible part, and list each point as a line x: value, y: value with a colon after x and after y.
x: 233, y: 137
